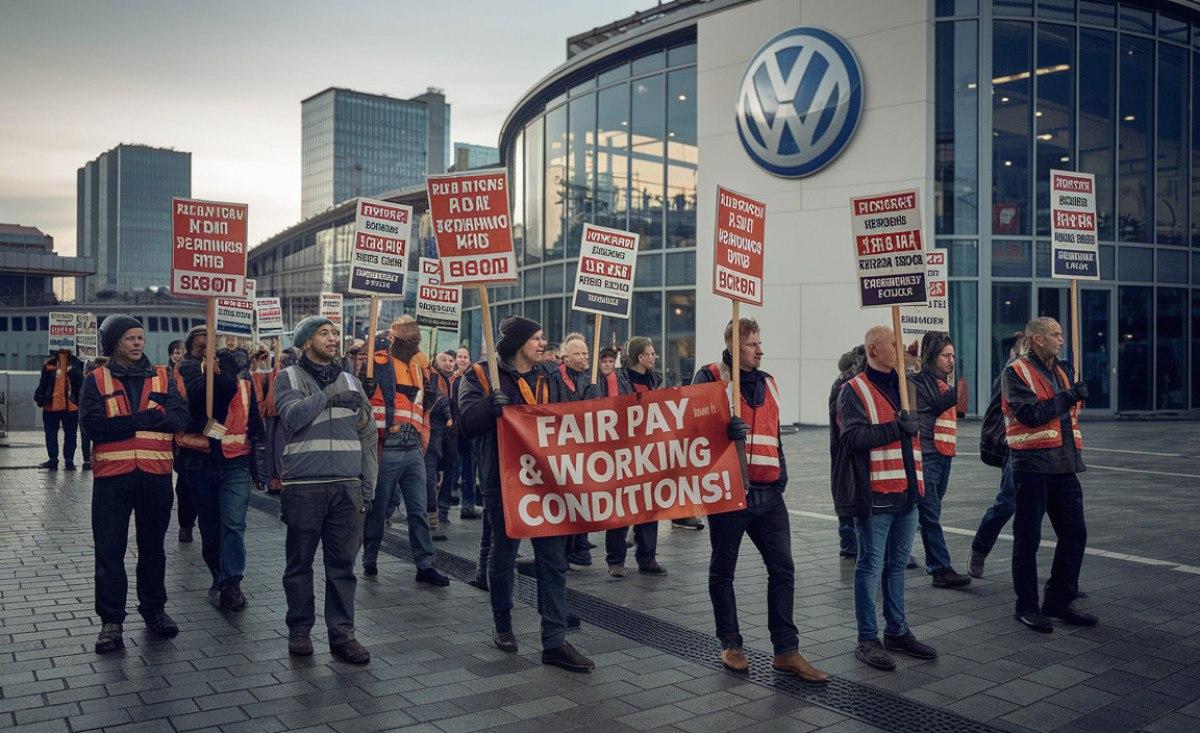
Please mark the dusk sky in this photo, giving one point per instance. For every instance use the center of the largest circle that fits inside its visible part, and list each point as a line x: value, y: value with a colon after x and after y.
x: 224, y: 80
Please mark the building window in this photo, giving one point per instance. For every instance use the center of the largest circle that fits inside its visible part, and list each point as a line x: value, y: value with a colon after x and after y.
x: 1054, y: 116
x: 1011, y: 307
x: 1135, y: 310
x: 556, y: 182
x: 679, y: 361
x: 581, y: 156
x: 1172, y: 178
x: 1097, y: 112
x: 647, y: 168
x: 682, y: 158
x: 1012, y: 61
x: 1170, y: 349
x: 1135, y: 197
x: 956, y: 111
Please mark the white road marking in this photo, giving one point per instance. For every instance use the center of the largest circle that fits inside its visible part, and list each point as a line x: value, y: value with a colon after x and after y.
x: 1045, y: 543
x: 1138, y: 470
x: 1135, y: 452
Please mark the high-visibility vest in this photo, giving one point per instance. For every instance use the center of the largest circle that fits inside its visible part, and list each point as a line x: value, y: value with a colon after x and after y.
x: 404, y: 410
x: 265, y: 396
x: 60, y: 399
x: 540, y: 395
x: 234, y: 443
x: 148, y: 451
x: 1022, y: 437
x: 885, y: 464
x: 762, y: 442
x: 945, y: 426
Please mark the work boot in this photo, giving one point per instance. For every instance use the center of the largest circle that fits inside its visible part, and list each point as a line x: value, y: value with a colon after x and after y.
x: 908, y: 644
x: 616, y: 570
x: 688, y: 523
x: 438, y: 534
x: 70, y: 465
x: 49, y: 465
x: 160, y: 624
x: 300, y: 646
x: 651, y: 567
x: 1070, y: 615
x: 350, y: 652
x: 567, y: 658
x: 975, y: 568
x: 582, y: 558
x: 110, y: 639
x: 185, y: 534
x: 370, y: 569
x: 429, y: 576
x: 734, y: 659
x: 479, y: 581
x: 587, y: 544
x: 505, y: 641
x: 87, y: 465
x: 872, y: 653
x: 948, y: 578
x: 469, y: 512
x: 793, y: 663
x: 232, y: 598
x: 215, y: 599
x: 1035, y: 621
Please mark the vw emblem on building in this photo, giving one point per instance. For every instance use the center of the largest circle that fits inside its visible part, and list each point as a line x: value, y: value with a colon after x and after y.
x: 799, y: 102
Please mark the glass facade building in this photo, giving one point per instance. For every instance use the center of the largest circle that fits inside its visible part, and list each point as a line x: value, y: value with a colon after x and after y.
x: 468, y: 156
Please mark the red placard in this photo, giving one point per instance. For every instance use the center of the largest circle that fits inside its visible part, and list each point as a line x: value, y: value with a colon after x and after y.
x: 738, y: 254
x: 588, y: 466
x: 209, y: 248
x: 472, y: 226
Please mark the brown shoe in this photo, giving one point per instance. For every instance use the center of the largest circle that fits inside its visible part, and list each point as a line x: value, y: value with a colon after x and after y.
x: 734, y: 659
x: 794, y: 663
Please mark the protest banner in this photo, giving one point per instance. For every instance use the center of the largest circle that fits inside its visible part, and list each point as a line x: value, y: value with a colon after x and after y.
x: 268, y: 312
x: 86, y: 343
x: 471, y: 225
x: 379, y: 259
x: 438, y: 305
x: 1074, y: 233
x: 889, y: 251
x: 588, y: 466
x: 604, y: 278
x: 62, y: 331
x: 235, y: 316
x: 916, y: 321
x: 331, y: 308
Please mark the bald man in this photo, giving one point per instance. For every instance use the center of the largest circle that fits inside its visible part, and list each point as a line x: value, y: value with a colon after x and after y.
x: 879, y: 485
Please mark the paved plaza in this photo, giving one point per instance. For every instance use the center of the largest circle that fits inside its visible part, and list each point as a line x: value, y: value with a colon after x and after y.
x: 434, y: 668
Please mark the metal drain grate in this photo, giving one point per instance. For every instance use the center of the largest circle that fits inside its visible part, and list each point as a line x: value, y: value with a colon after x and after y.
x: 868, y: 704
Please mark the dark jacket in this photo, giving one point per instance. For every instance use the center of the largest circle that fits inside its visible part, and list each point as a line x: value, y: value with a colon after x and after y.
x: 43, y: 396
x: 650, y: 380
x: 101, y: 428
x: 754, y: 392
x: 440, y: 413
x: 225, y: 389
x: 931, y: 402
x: 575, y: 385
x: 1032, y: 412
x: 841, y: 474
x: 479, y: 425
x: 600, y: 388
x: 853, y: 496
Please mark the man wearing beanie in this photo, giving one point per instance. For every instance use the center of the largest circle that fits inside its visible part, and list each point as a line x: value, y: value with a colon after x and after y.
x: 403, y: 399
x: 522, y: 382
x: 130, y: 409
x: 217, y: 469
x: 328, y: 476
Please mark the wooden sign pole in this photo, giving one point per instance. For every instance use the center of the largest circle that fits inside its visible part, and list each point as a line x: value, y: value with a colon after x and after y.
x: 596, y: 347
x: 900, y: 370
x: 433, y: 341
x: 488, y: 339
x: 210, y: 355
x: 371, y: 327
x: 1076, y: 347
x: 735, y: 351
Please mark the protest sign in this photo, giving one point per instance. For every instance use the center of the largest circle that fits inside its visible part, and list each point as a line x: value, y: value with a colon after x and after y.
x: 250, y: 292
x: 209, y: 251
x: 438, y: 305
x: 62, y: 331
x: 471, y: 226
x: 577, y: 467
x: 889, y: 249
x: 1073, y: 228
x: 604, y: 275
x: 235, y: 316
x: 268, y: 312
x: 738, y: 248
x: 916, y: 321
x: 86, y: 344
x: 331, y: 307
x: 379, y: 259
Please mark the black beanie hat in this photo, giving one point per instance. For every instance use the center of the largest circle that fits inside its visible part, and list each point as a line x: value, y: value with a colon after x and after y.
x: 191, y: 336
x: 113, y: 328
x: 514, y: 332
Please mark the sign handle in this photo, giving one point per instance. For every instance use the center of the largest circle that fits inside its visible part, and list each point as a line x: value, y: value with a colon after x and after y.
x: 735, y: 351
x: 278, y: 351
x: 596, y: 346
x: 374, y: 324
x: 900, y: 370
x: 433, y: 341
x: 210, y: 355
x: 489, y: 340
x: 1076, y: 353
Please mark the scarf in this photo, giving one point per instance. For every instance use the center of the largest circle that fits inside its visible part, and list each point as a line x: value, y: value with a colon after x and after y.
x: 325, y: 374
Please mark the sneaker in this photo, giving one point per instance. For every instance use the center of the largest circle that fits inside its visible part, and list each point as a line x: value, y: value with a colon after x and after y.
x: 908, y: 644
x: 734, y: 659
x: 689, y: 523
x: 1071, y: 616
x: 948, y: 578
x: 350, y: 652
x: 479, y: 581
x: 185, y: 534
x: 617, y: 571
x: 70, y: 466
x: 160, y: 624
x: 505, y: 641
x: 651, y: 567
x: 872, y: 653
x: 300, y: 646
x: 232, y: 598
x: 87, y: 465
x: 370, y: 569
x: 846, y: 555
x: 110, y: 639
x: 469, y: 513
x: 50, y: 466
x: 565, y: 657
x: 429, y: 576
x: 1035, y: 621
x: 582, y: 558
x: 975, y: 568
x: 794, y: 663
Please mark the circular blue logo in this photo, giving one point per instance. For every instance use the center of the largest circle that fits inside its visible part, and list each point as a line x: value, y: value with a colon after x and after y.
x: 799, y: 102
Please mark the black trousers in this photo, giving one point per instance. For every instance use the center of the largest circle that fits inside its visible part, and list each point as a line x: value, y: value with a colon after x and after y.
x: 1060, y: 496
x: 69, y: 422
x: 114, y: 498
x: 186, y: 507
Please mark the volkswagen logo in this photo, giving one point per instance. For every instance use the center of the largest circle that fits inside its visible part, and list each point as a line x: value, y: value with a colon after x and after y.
x: 799, y: 102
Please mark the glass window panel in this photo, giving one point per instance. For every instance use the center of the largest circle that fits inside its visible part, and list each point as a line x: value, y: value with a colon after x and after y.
x: 957, y: 7
x: 532, y: 279
x: 1012, y: 67
x: 1097, y: 12
x: 963, y: 258
x: 1135, y: 195
x: 517, y: 173
x: 956, y: 174
x: 1097, y: 111
x: 614, y: 74
x: 649, y: 271
x: 533, y: 191
x: 682, y: 158
x: 532, y: 310
x: 1196, y: 147
x: 1108, y: 262
x: 649, y: 63
x: 1054, y: 116
x: 1137, y: 263
x: 582, y: 152
x: 19, y: 323
x: 1195, y: 349
x: 1011, y: 258
x: 681, y: 55
x: 647, y: 315
x: 1056, y: 9
x: 1171, y: 184
x: 679, y: 362
x: 556, y: 181
x: 646, y: 207
x: 1137, y: 19
x: 1172, y: 266
x: 1134, y: 316
x: 554, y: 326
x: 964, y: 330
x: 1094, y: 331
x: 1172, y: 29
x: 1170, y: 349
x: 612, y: 158
x: 1042, y: 258
x: 554, y: 277
x: 582, y: 88
x: 681, y: 268
x: 1012, y: 7
x: 1010, y: 312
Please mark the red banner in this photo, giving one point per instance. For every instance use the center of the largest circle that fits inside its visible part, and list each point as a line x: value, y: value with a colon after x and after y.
x: 600, y: 464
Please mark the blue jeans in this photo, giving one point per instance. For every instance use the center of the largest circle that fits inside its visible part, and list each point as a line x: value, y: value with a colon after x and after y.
x: 847, y: 542
x: 550, y: 563
x: 645, y: 543
x: 401, y: 475
x: 884, y: 542
x: 221, y: 495
x: 997, y: 514
x: 929, y: 511
x: 464, y: 472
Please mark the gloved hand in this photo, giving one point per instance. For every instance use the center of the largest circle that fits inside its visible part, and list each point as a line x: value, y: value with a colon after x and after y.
x: 369, y: 384
x: 737, y: 430
x: 497, y: 400
x: 351, y: 399
x: 1079, y: 392
x: 366, y: 506
x: 908, y: 423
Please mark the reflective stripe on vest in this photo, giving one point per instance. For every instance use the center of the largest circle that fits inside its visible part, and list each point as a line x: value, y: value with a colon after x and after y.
x: 1049, y: 435
x: 237, y: 423
x: 885, y: 464
x: 266, y: 397
x: 404, y: 410
x: 147, y: 451
x: 762, y: 442
x: 945, y: 427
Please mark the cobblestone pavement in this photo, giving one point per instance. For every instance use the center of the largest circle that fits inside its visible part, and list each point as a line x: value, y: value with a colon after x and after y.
x: 434, y: 669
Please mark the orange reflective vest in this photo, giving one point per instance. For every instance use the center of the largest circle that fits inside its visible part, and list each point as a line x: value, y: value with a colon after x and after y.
x: 60, y: 400
x: 539, y: 395
x: 264, y: 394
x: 234, y: 443
x: 762, y: 442
x: 945, y: 426
x: 404, y: 410
x: 885, y: 464
x: 1022, y: 437
x: 147, y: 451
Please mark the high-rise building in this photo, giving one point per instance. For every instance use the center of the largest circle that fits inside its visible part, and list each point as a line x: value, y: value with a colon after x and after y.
x: 468, y: 156
x: 123, y: 216
x: 356, y: 144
